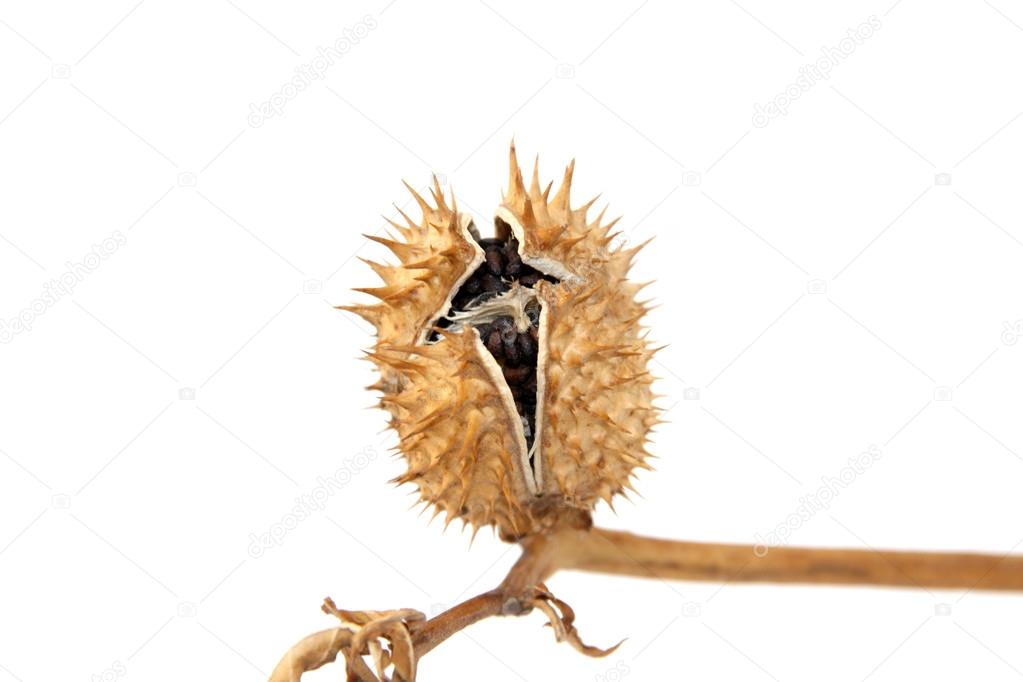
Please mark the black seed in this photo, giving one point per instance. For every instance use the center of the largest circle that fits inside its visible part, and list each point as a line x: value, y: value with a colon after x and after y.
x: 512, y: 259
x: 494, y: 344
x: 495, y: 263
x: 526, y: 346
x: 491, y: 283
x: 530, y: 279
x: 511, y: 353
x: 516, y: 375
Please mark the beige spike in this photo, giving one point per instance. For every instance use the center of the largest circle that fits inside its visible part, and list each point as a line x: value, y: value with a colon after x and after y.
x: 536, y: 198
x: 438, y: 195
x: 561, y: 199
x: 371, y: 314
x: 454, y: 203
x: 383, y: 293
x: 399, y: 249
x: 516, y: 188
x: 586, y: 207
x: 413, y: 225
x: 430, y: 262
x: 405, y: 232
x: 424, y: 205
x: 385, y: 272
x: 534, y: 185
x: 528, y: 217
x: 630, y: 253
x: 568, y: 243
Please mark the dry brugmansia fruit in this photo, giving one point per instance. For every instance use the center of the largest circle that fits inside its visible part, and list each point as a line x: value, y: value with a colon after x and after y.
x: 514, y: 368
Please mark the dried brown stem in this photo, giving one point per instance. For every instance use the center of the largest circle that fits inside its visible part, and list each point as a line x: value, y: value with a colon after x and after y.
x: 428, y: 634
x: 620, y: 553
x: 605, y: 551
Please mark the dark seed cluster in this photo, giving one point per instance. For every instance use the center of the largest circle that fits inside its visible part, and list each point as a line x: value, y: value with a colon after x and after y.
x: 501, y: 266
x: 516, y: 352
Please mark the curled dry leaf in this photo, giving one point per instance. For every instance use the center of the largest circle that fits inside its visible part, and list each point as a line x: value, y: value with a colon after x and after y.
x: 383, y: 635
x: 561, y: 618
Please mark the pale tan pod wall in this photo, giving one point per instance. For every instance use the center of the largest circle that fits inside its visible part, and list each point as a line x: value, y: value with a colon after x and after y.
x: 597, y: 403
x: 455, y: 432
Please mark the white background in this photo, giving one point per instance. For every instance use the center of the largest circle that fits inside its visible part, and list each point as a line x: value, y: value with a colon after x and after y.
x: 821, y: 280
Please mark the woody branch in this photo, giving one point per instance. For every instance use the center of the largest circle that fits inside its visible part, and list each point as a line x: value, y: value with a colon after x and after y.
x: 620, y: 553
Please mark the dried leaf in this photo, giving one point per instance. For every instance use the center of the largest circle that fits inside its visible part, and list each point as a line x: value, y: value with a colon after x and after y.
x: 561, y: 618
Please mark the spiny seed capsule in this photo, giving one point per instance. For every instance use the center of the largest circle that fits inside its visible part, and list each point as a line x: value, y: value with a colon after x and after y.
x: 514, y: 367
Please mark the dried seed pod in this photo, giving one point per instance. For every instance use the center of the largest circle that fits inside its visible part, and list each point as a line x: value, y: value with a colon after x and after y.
x: 514, y: 368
